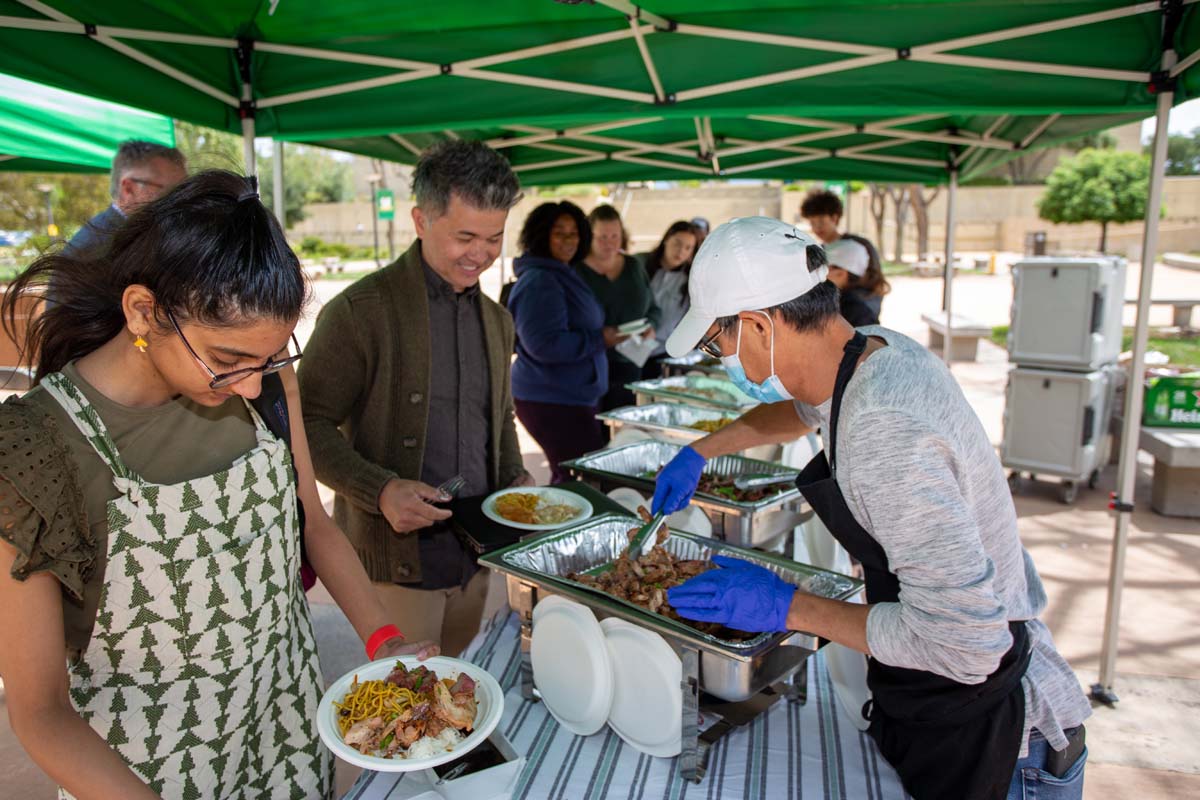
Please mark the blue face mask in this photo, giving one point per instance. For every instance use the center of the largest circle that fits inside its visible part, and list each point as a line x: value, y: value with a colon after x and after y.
x: 769, y: 391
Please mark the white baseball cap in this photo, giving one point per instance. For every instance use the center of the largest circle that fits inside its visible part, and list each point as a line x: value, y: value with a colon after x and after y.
x: 849, y: 255
x: 747, y: 264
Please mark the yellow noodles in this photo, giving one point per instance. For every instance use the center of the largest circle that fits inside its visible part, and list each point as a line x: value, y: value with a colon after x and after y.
x: 372, y: 699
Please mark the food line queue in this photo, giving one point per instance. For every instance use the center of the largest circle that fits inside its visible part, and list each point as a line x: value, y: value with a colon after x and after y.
x: 159, y: 506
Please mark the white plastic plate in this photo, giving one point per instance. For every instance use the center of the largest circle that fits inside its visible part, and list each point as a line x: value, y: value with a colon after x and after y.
x: 488, y: 697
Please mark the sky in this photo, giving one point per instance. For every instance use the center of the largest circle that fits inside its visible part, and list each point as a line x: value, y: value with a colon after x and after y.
x: 1184, y: 118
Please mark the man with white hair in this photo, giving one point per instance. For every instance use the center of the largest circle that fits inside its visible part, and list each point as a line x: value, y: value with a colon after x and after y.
x: 141, y: 173
x: 970, y: 697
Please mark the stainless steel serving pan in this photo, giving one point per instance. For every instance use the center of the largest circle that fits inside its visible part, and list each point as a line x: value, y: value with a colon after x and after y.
x: 695, y: 390
x: 745, y: 524
x: 693, y: 362
x: 730, y: 670
x: 670, y: 421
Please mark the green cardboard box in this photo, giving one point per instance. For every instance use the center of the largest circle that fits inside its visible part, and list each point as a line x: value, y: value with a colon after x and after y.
x: 1172, y: 401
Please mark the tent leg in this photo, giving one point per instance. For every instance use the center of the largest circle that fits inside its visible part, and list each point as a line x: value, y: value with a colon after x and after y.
x: 248, y: 134
x: 948, y: 279
x: 503, y: 253
x: 277, y: 182
x: 1127, y: 470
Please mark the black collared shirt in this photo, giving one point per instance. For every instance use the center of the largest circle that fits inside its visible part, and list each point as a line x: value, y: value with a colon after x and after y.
x: 457, y: 437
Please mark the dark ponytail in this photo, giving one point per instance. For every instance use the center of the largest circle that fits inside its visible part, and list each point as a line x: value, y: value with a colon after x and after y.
x: 209, y: 251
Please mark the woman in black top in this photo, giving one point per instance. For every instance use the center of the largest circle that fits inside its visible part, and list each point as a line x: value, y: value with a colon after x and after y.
x: 620, y: 284
x: 854, y: 268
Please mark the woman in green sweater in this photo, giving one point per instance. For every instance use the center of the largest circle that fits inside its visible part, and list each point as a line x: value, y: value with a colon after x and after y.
x: 620, y: 284
x: 155, y: 640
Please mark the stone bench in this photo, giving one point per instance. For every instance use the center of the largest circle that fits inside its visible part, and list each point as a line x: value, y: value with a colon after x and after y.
x: 967, y: 333
x: 1182, y: 310
x: 1175, y: 491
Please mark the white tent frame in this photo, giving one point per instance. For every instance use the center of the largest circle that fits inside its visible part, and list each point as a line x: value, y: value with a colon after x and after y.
x: 643, y: 24
x: 1123, y: 498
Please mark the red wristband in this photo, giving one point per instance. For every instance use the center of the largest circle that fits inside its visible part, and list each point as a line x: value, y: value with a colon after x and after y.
x: 379, y: 637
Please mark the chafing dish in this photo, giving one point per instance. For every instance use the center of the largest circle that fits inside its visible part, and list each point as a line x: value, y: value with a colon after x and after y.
x: 739, y: 672
x: 745, y: 524
x: 668, y: 421
x: 697, y: 390
x: 692, y: 363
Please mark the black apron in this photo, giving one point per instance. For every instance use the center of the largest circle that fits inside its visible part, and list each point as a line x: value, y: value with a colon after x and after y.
x: 946, y: 739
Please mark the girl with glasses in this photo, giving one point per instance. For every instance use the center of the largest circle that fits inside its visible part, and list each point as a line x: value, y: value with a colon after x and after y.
x: 155, y: 640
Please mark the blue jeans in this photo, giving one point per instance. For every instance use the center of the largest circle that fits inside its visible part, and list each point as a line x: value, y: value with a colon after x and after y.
x: 1030, y: 781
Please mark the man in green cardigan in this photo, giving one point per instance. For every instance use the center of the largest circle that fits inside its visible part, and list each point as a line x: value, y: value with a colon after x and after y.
x: 405, y: 384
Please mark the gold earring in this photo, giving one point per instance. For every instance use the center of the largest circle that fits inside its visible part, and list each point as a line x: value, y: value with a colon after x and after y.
x: 140, y: 343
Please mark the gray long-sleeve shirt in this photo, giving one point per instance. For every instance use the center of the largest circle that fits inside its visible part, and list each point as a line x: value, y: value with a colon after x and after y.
x: 919, y: 474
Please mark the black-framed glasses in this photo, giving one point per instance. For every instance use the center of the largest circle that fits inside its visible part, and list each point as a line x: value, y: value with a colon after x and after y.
x: 709, y: 345
x: 221, y: 380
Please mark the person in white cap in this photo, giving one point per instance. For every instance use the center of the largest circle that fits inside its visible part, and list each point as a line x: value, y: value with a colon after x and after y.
x: 861, y: 285
x: 970, y: 697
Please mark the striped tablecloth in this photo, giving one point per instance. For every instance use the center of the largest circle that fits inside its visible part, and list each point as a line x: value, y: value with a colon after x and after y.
x: 792, y: 751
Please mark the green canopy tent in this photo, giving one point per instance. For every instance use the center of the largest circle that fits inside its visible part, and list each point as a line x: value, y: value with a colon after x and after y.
x: 43, y: 129
x: 326, y: 71
x: 352, y: 69
x: 921, y: 148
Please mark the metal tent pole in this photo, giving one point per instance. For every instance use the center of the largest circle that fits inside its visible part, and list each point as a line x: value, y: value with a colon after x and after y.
x: 246, y: 110
x: 248, y: 133
x: 951, y: 195
x: 277, y: 182
x: 503, y: 253
x: 1131, y: 427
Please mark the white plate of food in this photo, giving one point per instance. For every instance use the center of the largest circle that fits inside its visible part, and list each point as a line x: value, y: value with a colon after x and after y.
x: 536, y: 508
x: 401, y: 714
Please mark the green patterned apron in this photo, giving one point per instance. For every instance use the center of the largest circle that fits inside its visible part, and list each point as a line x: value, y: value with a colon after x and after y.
x: 202, y: 669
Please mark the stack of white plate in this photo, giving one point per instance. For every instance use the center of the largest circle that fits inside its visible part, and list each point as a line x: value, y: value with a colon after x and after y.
x: 591, y: 673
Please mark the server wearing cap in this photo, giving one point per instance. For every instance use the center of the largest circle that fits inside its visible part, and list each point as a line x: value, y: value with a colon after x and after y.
x: 970, y: 697
x: 860, y: 282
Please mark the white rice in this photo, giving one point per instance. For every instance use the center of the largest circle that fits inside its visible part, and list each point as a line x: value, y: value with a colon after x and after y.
x: 430, y: 746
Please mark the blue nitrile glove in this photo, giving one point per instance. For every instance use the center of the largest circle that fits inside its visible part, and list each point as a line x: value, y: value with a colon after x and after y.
x: 677, y: 482
x: 742, y: 595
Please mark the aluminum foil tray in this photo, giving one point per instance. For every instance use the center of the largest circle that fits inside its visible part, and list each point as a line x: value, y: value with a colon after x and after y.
x: 599, y: 541
x: 665, y: 416
x: 694, y: 361
x: 628, y: 463
x: 716, y: 392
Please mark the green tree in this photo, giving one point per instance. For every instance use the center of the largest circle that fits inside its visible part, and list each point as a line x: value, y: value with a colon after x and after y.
x: 206, y: 148
x: 1183, y: 153
x: 310, y: 175
x: 1097, y: 186
x: 75, y: 199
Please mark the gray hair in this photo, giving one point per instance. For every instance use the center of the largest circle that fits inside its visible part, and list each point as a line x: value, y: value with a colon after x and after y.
x: 479, y: 175
x: 135, y: 153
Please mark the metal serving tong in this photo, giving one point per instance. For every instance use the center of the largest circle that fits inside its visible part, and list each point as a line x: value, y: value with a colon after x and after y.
x: 637, y: 543
x: 757, y: 480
